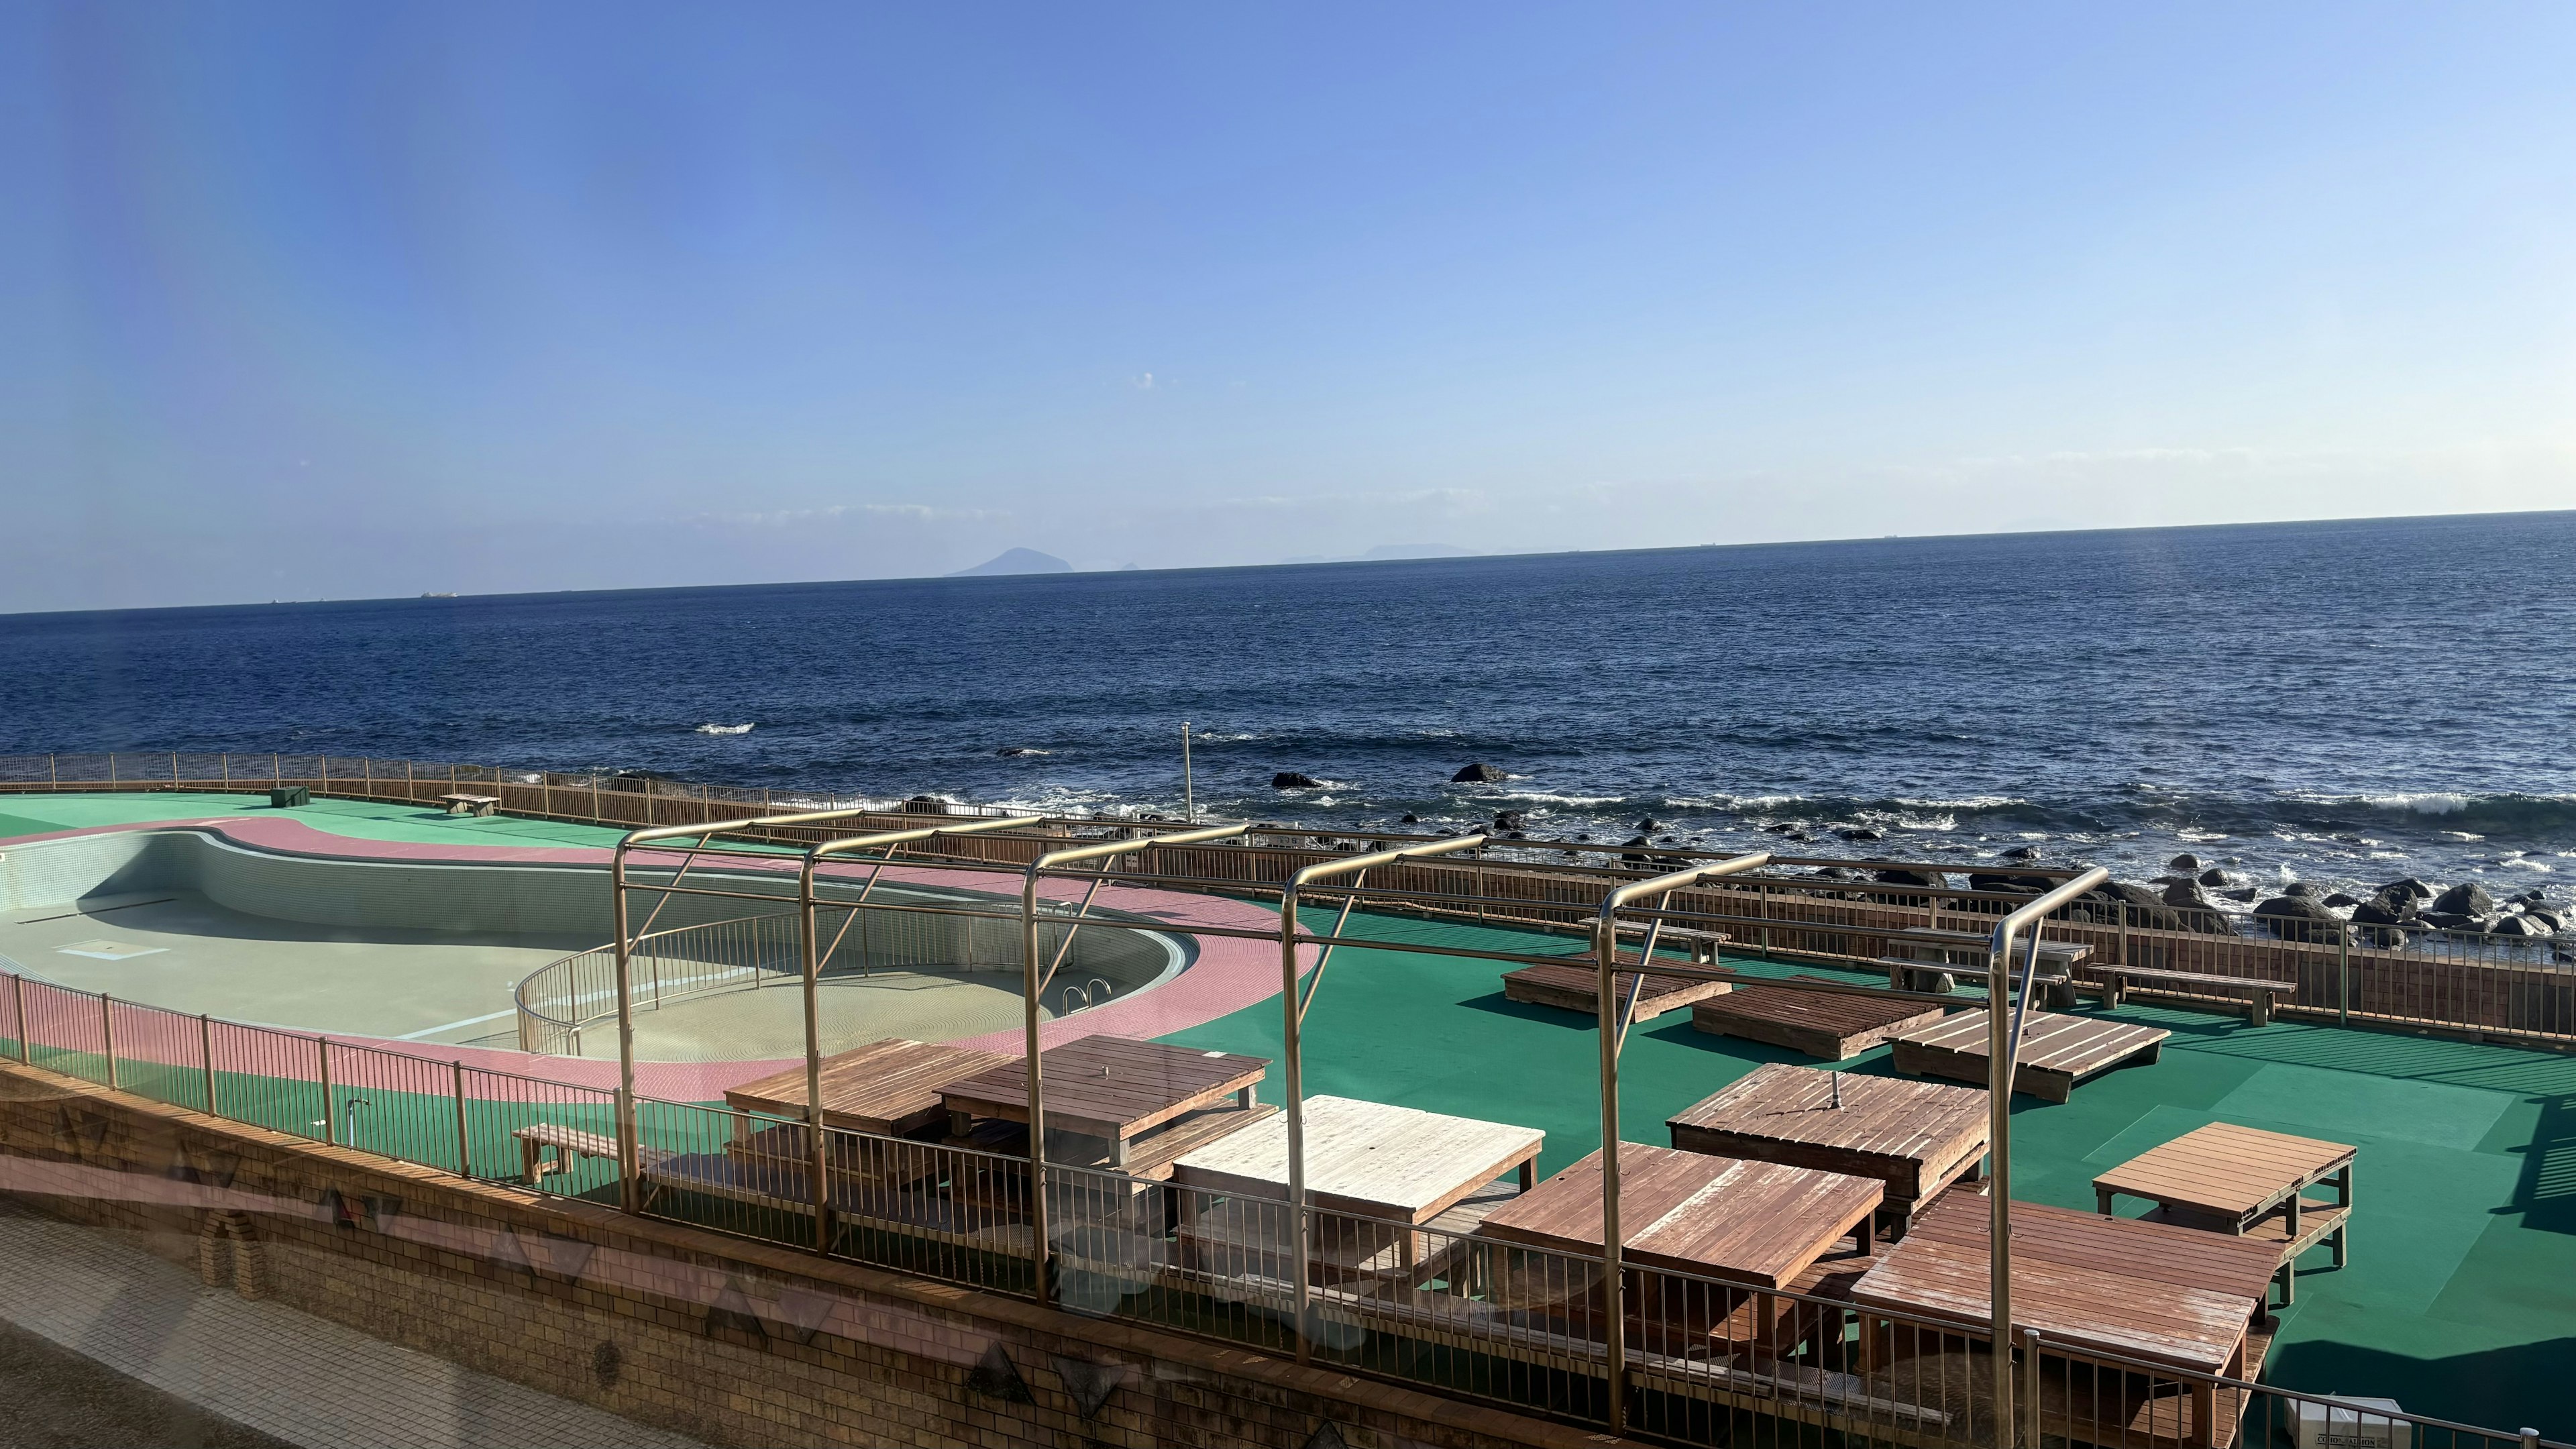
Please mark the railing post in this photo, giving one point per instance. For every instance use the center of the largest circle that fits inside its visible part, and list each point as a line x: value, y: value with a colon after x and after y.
x: 107, y: 1035
x: 2124, y: 942
x: 2031, y: 1338
x: 464, y: 1150
x: 330, y: 1132
x: 53, y: 775
x: 2343, y: 973
x: 18, y: 1005
x: 228, y: 772
x: 206, y: 1049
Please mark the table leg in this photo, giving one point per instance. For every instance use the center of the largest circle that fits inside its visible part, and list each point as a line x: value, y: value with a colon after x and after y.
x: 2343, y: 1190
x: 1868, y: 1344
x: 1242, y: 1098
x: 1529, y: 1174
x: 528, y: 1153
x: 2204, y: 1413
x: 2102, y: 1201
x: 2289, y: 1278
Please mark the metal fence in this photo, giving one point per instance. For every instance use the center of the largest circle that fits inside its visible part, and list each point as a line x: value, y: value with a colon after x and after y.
x: 1452, y: 1311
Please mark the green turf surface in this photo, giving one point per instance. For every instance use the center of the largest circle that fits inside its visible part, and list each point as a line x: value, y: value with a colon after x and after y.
x: 2457, y: 1301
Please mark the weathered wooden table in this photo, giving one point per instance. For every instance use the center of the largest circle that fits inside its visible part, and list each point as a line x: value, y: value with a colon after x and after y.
x: 2058, y: 1053
x: 2182, y: 1300
x: 1759, y: 1228
x: 1578, y: 988
x: 2247, y: 1183
x: 1381, y: 1174
x: 1115, y: 1102
x: 1835, y: 1025
x: 1916, y: 1137
x: 887, y: 1087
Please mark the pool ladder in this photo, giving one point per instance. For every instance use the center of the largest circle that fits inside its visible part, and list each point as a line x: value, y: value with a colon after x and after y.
x: 1086, y: 994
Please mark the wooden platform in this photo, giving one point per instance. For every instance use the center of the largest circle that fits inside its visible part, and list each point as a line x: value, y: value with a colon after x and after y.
x: 2245, y: 1182
x: 1578, y: 988
x: 1116, y: 1091
x: 1755, y: 1223
x: 1830, y: 1024
x: 1369, y: 1158
x: 1917, y: 1137
x: 2058, y: 1053
x: 887, y: 1087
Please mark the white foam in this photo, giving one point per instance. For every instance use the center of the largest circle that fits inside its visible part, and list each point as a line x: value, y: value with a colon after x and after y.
x: 724, y: 729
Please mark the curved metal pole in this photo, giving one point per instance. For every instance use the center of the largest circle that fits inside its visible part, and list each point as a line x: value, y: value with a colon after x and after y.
x: 2002, y: 1041
x: 1042, y: 1249
x: 812, y: 972
x: 1292, y: 1041
x: 1605, y: 951
x: 629, y: 1158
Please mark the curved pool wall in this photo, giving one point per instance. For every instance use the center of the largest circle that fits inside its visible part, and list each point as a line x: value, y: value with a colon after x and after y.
x: 550, y: 900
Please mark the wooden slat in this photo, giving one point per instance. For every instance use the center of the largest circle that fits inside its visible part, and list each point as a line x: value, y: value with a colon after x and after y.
x: 890, y: 1087
x: 1366, y: 1157
x: 1914, y: 1136
x: 2057, y: 1052
x: 1578, y: 988
x: 1108, y: 1087
x: 2226, y: 1170
x: 1828, y: 1024
x: 1760, y: 1223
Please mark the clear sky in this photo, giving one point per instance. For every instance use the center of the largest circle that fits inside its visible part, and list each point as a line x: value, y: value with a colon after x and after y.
x: 330, y: 301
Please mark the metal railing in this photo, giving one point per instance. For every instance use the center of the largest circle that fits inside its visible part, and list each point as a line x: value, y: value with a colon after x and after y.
x: 557, y: 1000
x: 1442, y: 1308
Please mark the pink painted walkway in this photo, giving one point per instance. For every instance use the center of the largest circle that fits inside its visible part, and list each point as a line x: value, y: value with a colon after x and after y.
x: 1229, y: 973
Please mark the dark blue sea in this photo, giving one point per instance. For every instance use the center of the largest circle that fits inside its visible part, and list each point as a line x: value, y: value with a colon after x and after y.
x: 2338, y: 702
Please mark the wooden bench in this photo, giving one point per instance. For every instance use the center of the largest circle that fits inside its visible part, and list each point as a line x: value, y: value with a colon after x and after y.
x: 1830, y: 1024
x: 2054, y: 989
x: 1578, y: 988
x: 462, y: 802
x: 569, y: 1143
x: 2058, y: 1053
x: 2112, y: 984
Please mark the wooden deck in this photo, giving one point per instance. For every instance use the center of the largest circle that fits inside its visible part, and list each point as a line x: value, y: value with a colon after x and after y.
x: 887, y: 1087
x: 1113, y: 1088
x: 1578, y: 988
x: 1369, y: 1158
x: 1917, y: 1137
x: 1757, y: 1223
x: 2058, y: 1053
x: 1830, y: 1024
x: 2158, y: 1294
x: 2247, y: 1183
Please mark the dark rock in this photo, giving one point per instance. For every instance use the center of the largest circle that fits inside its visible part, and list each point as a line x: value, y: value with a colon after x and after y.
x: 1509, y: 820
x: 2549, y: 918
x: 2022, y: 852
x: 1507, y: 835
x: 1409, y: 819
x: 1641, y: 840
x: 925, y: 805
x: 2184, y: 861
x: 2517, y: 926
x: 2342, y: 899
x: 1670, y: 840
x: 1802, y: 836
x: 2409, y: 887
x: 2300, y: 890
x: 1291, y: 780
x: 2241, y: 893
x: 2533, y: 898
x: 1860, y: 833
x: 1478, y: 775
x: 2027, y: 885
x: 2470, y: 899
x: 2448, y: 920
x: 2297, y: 918
x: 2185, y: 895
x: 1649, y: 825
x: 1781, y: 829
x: 2144, y: 908
x: 1915, y: 878
x: 2384, y: 910
x: 2213, y: 877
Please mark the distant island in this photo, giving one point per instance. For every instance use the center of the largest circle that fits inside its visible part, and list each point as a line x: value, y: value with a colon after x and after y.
x: 1016, y: 561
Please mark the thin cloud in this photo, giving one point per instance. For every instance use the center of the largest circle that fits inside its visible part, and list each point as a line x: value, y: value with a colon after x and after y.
x: 908, y: 512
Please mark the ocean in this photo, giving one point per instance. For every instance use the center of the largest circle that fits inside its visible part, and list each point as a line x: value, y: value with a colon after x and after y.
x: 2343, y: 703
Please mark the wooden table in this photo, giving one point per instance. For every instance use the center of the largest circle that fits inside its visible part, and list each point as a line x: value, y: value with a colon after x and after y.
x: 2058, y: 1053
x: 464, y: 802
x: 2180, y: 1299
x: 889, y: 1087
x: 1916, y: 1137
x: 1578, y: 988
x: 1391, y: 1170
x: 1760, y: 1225
x: 2247, y: 1183
x: 1132, y: 1106
x: 1835, y: 1025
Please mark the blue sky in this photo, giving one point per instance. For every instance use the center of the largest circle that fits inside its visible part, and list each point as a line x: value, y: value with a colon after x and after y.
x: 307, y: 301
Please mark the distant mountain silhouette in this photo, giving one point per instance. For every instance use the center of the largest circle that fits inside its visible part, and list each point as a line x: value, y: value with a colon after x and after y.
x: 1016, y: 561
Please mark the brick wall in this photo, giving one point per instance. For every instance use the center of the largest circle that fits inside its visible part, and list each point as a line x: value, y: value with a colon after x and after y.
x: 732, y: 1342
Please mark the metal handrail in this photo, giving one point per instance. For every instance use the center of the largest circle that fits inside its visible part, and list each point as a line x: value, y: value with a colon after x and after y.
x: 2002, y: 1042
x: 1292, y: 1046
x: 1605, y: 950
x: 1033, y: 985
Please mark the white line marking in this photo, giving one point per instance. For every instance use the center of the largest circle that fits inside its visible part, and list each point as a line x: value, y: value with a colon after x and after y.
x: 453, y: 1025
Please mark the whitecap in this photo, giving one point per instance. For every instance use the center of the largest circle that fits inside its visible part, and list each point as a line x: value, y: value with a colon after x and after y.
x: 2543, y: 868
x: 724, y: 729
x: 2462, y: 835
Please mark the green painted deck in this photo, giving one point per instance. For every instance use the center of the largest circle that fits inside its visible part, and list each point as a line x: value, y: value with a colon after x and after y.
x: 2456, y: 1303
